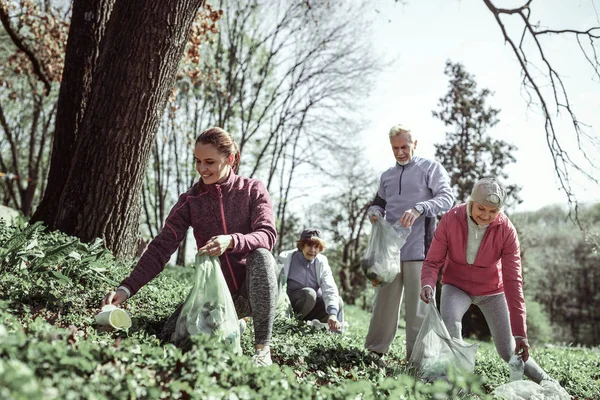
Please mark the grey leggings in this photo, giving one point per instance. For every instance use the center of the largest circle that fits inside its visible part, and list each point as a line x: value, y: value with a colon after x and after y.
x: 454, y: 305
x: 259, y: 293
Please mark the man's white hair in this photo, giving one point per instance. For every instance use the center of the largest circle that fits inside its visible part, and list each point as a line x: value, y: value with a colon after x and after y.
x: 400, y: 129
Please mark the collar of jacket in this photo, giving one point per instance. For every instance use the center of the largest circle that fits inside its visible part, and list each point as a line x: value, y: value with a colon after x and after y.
x: 462, y: 215
x: 411, y: 162
x: 224, y: 187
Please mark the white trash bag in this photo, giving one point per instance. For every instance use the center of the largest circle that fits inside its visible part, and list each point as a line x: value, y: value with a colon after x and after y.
x: 435, y: 351
x: 381, y: 261
x: 529, y: 390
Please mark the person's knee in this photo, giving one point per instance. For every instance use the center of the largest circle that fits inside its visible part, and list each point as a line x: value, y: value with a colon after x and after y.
x: 260, y: 256
x: 260, y: 259
x: 505, y: 352
x: 309, y: 294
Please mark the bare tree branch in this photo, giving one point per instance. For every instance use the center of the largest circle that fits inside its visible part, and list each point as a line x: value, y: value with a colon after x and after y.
x: 18, y: 41
x: 560, y: 98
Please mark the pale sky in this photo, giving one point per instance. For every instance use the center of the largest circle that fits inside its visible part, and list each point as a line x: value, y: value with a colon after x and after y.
x: 421, y: 35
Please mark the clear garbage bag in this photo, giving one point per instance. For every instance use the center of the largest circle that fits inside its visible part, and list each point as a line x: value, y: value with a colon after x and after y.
x: 381, y: 261
x: 435, y: 352
x: 209, y: 307
x: 284, y: 305
x: 529, y: 390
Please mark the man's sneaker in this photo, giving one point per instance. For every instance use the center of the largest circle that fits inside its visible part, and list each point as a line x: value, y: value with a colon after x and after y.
x: 262, y: 357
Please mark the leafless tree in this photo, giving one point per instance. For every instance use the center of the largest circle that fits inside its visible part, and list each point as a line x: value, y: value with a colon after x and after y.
x: 540, y: 73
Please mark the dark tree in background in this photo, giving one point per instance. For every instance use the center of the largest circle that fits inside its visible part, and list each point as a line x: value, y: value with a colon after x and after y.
x: 469, y: 152
x: 138, y: 52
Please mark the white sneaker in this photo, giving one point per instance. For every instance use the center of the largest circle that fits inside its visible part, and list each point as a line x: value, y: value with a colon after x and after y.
x: 242, y: 323
x: 262, y: 358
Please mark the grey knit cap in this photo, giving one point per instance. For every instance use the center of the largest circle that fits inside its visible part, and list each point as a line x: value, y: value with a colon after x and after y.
x: 488, y: 192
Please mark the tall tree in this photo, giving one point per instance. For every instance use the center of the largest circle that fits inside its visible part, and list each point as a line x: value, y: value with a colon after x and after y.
x: 469, y: 152
x: 137, y: 59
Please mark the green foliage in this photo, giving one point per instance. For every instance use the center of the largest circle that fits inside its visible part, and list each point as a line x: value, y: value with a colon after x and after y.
x: 539, y: 328
x: 50, y: 349
x: 469, y: 152
x: 562, y: 271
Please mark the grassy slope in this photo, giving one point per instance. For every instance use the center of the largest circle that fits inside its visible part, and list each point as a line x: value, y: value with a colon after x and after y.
x: 49, y: 347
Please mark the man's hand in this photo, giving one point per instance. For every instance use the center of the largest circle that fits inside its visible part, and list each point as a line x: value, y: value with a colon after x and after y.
x: 522, y: 347
x: 114, y: 297
x: 334, y: 324
x: 409, y: 217
x: 426, y: 294
x: 374, y: 216
x: 216, y: 245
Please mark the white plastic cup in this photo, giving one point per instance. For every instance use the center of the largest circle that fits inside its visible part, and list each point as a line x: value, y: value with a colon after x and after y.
x: 114, y: 317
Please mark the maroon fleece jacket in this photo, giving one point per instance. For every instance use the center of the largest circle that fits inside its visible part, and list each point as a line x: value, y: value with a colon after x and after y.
x: 240, y: 207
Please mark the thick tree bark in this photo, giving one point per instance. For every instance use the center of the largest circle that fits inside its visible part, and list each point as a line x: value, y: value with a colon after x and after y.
x: 88, y: 21
x: 136, y: 67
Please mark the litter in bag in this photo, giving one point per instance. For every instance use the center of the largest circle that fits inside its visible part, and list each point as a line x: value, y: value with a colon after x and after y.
x: 381, y: 261
x: 435, y: 352
x: 529, y: 390
x: 209, y: 307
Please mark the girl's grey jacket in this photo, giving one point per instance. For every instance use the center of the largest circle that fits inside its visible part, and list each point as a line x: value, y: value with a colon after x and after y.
x: 331, y: 295
x: 402, y: 187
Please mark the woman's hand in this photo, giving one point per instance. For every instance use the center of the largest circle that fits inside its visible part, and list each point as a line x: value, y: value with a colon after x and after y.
x: 216, y: 245
x: 522, y: 347
x: 114, y: 297
x: 426, y: 294
x: 334, y: 324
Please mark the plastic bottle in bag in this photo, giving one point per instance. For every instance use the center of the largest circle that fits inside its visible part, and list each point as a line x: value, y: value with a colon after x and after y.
x: 516, y: 367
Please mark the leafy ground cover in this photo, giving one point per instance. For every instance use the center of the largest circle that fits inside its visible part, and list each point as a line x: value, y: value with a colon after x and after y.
x: 50, y: 289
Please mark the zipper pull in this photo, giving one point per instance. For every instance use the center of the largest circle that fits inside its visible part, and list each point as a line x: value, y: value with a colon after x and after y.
x: 219, y: 191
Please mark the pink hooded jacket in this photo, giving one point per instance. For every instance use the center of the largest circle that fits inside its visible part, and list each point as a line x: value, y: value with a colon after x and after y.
x: 240, y: 207
x: 497, y: 267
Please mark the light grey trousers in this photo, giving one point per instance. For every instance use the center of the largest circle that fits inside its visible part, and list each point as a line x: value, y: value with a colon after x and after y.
x: 386, y: 309
x: 454, y: 305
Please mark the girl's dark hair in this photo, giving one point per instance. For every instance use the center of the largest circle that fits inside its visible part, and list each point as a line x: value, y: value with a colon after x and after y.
x: 223, y: 142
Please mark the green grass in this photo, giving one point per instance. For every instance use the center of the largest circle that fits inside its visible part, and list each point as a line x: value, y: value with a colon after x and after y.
x: 50, y: 348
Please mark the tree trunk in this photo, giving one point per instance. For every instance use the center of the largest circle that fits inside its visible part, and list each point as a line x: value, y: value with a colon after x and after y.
x: 88, y: 21
x: 136, y: 68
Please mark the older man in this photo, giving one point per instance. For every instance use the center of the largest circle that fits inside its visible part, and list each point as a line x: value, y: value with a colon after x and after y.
x: 414, y: 191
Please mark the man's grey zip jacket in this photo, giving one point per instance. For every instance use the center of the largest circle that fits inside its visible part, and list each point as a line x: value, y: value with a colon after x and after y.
x: 401, y: 188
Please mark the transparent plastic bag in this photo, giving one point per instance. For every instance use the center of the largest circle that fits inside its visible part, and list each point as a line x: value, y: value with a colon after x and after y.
x: 284, y: 305
x: 516, y: 367
x: 381, y: 261
x: 209, y: 307
x: 435, y: 352
x: 529, y: 390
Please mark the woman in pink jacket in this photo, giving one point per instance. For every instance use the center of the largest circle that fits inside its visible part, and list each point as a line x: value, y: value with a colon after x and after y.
x: 478, y: 248
x: 232, y: 218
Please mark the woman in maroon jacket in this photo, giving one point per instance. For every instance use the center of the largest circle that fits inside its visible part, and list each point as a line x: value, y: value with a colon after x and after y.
x: 478, y: 248
x: 232, y: 218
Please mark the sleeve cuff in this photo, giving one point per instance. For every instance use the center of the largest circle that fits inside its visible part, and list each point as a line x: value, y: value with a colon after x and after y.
x: 332, y: 311
x: 429, y: 286
x: 126, y: 290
